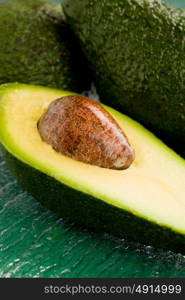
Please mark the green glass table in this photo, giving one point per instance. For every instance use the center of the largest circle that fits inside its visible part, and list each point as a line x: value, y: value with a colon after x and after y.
x: 35, y: 243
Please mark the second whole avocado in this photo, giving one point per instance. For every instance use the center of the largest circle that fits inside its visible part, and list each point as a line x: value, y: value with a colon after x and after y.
x: 37, y: 47
x: 136, y: 49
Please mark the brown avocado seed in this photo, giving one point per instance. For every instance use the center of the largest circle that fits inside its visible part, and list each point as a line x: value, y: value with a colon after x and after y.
x: 82, y: 129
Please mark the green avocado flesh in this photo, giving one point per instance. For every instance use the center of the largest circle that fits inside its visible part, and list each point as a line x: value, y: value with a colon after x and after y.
x: 136, y: 50
x: 37, y: 47
x: 144, y: 203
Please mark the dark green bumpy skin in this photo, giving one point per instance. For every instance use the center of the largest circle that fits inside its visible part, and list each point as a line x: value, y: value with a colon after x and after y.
x: 37, y: 47
x: 90, y: 212
x: 136, y: 49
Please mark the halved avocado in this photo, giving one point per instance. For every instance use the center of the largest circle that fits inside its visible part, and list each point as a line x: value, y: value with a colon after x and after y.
x: 144, y: 203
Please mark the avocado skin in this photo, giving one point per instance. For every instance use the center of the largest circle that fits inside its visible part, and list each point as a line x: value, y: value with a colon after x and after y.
x: 91, y: 212
x: 37, y: 46
x: 136, y: 50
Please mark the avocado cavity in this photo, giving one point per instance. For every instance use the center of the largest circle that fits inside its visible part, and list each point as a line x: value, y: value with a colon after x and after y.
x: 82, y: 129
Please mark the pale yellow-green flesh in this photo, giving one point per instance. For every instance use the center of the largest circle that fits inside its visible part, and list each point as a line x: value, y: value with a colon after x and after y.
x: 152, y: 188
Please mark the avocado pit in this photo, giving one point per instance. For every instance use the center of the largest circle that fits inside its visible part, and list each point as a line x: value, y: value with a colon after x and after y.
x: 82, y: 129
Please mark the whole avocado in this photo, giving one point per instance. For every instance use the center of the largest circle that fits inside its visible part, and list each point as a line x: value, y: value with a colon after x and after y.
x: 136, y: 49
x: 37, y: 47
